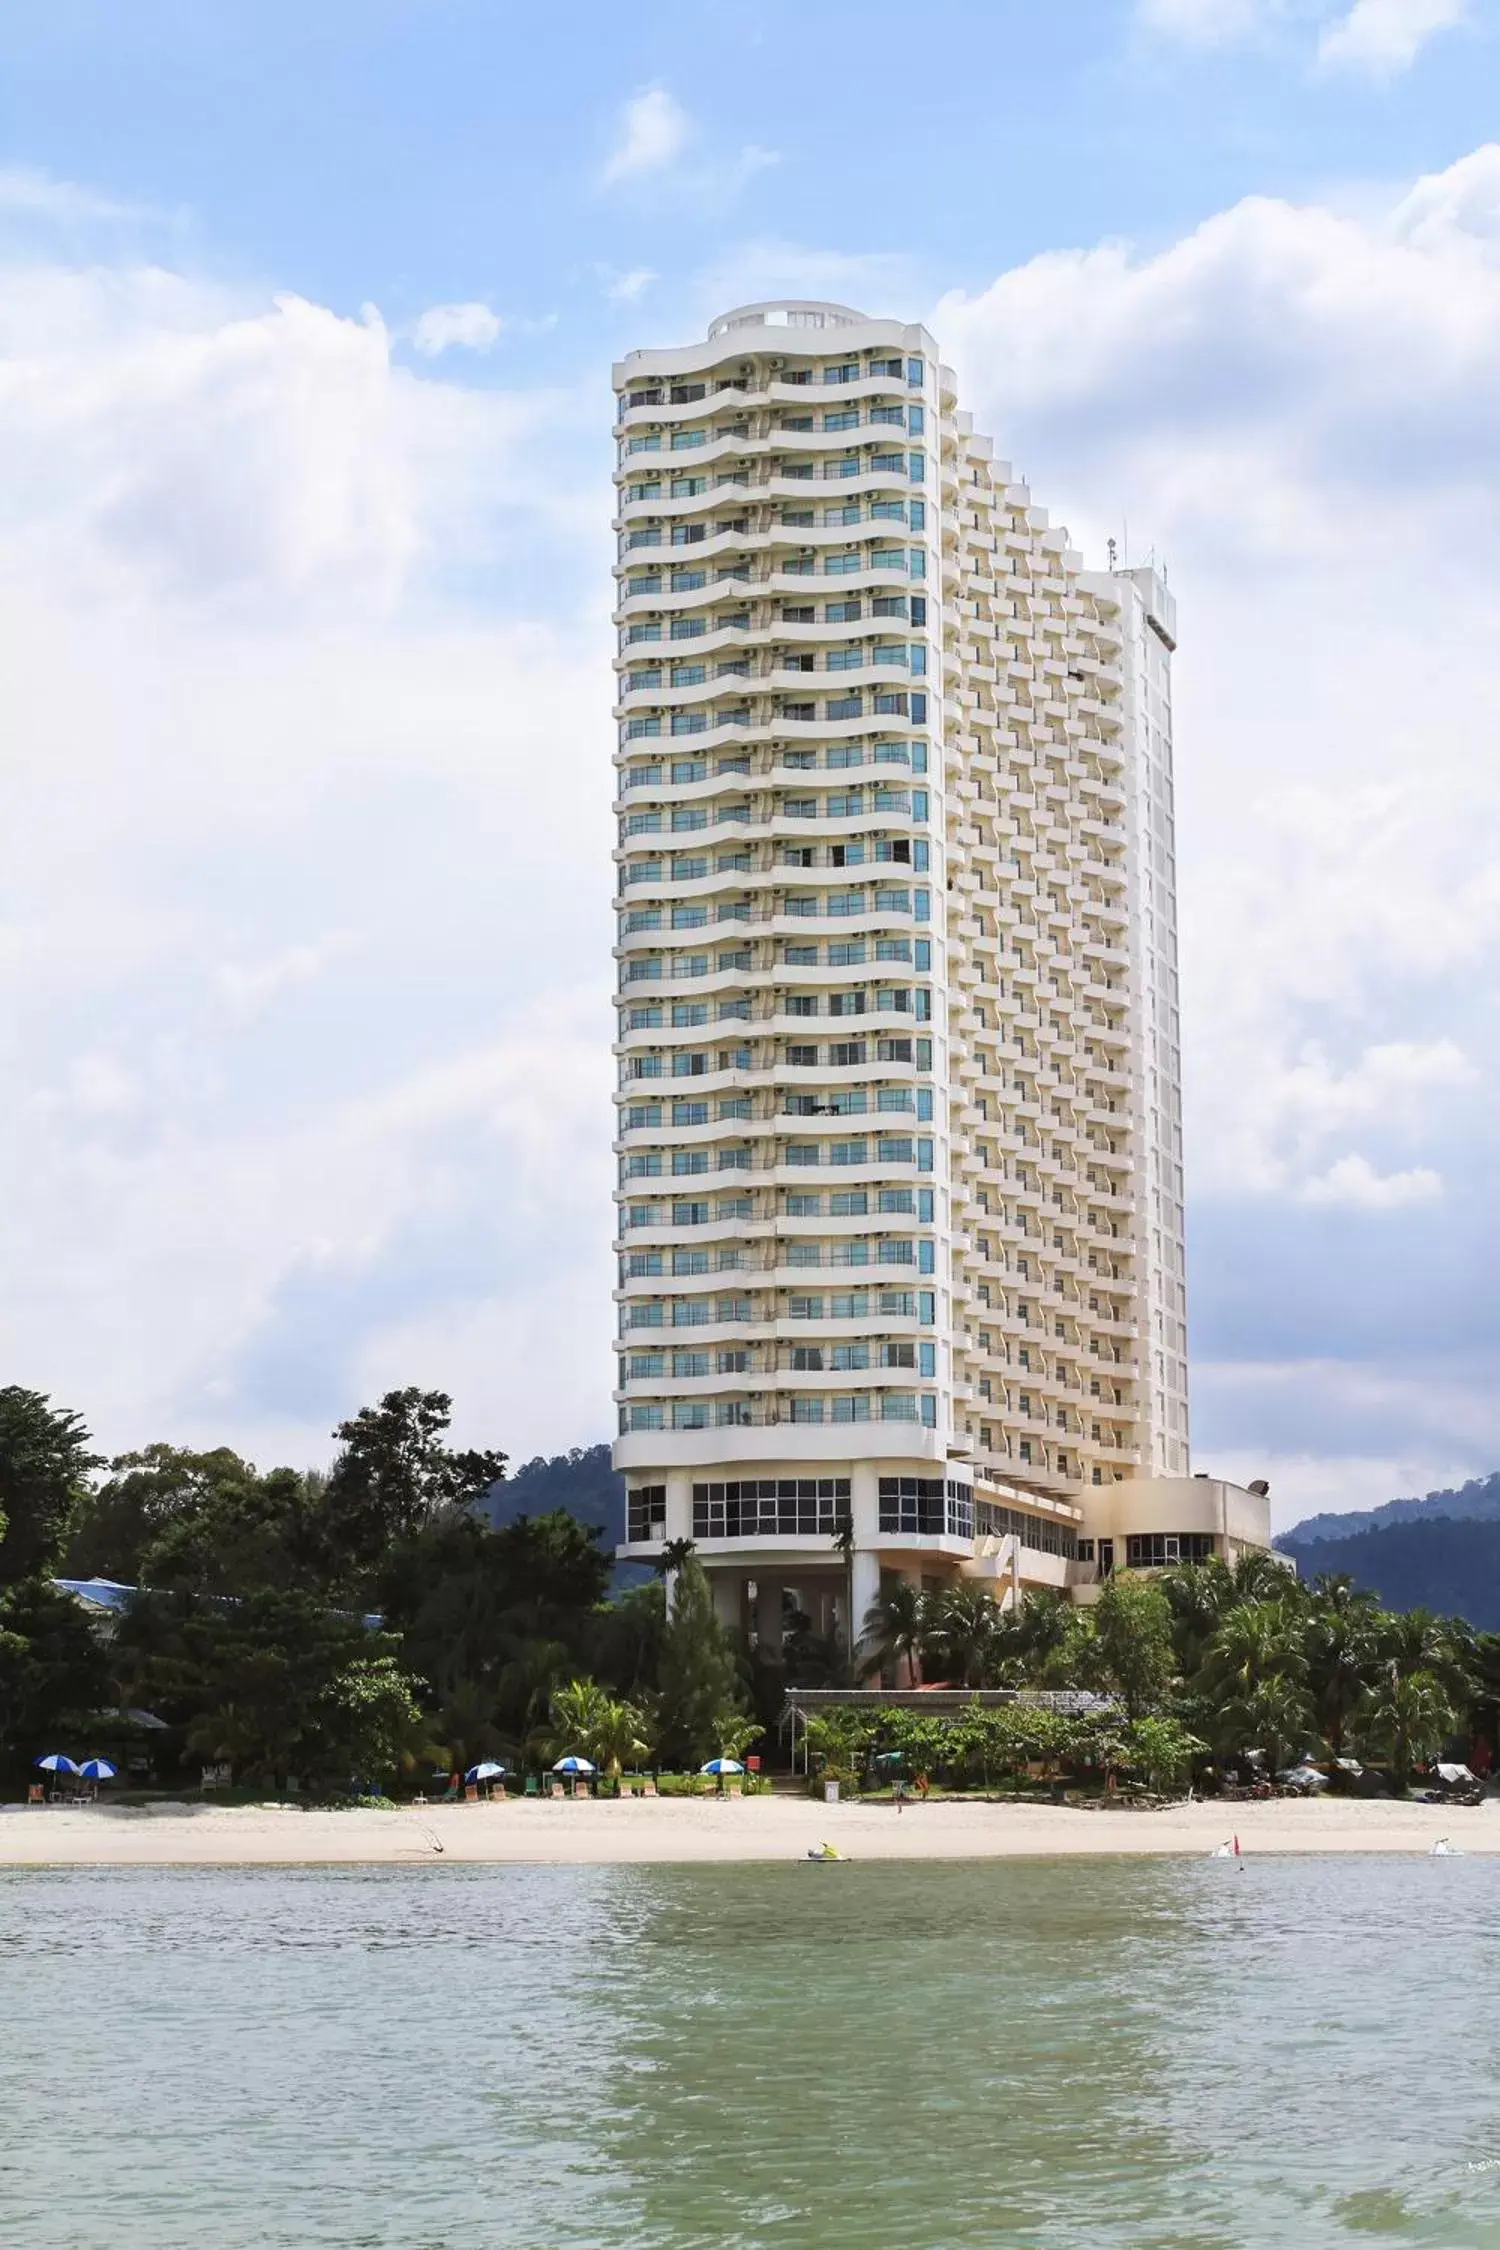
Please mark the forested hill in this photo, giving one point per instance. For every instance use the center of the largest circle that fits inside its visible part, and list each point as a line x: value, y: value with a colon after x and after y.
x: 1448, y: 1565
x: 582, y: 1482
x: 1477, y: 1501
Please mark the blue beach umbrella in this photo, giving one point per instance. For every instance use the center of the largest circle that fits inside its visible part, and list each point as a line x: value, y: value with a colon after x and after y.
x: 722, y: 1765
x: 572, y: 1765
x: 486, y: 1770
x: 55, y: 1762
x: 97, y: 1769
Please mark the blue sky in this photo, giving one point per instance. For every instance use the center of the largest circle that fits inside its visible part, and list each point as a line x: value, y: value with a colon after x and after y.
x: 305, y: 323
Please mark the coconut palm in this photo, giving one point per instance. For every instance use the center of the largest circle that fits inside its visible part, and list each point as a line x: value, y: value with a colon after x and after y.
x: 1198, y: 1595
x: 896, y: 1624
x: 1254, y: 1642
x: 1414, y: 1640
x: 1404, y: 1720
x: 1262, y: 1577
x: 600, y: 1726
x: 1341, y: 1654
x: 621, y: 1735
x: 1273, y: 1714
x: 1033, y: 1631
x: 964, y: 1634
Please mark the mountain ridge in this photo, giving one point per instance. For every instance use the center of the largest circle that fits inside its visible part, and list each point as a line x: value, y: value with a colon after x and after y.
x: 1478, y: 1500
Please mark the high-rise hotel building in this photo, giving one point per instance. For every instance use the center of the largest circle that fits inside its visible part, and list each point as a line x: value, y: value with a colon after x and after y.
x: 900, y: 1203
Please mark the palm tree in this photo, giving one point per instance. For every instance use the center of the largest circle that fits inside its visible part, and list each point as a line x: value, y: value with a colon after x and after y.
x: 1262, y: 1577
x: 1041, y: 1623
x: 1414, y: 1640
x: 620, y: 1734
x: 1405, y: 1719
x: 1341, y: 1654
x: 736, y: 1735
x: 1198, y: 1594
x: 1274, y: 1714
x: 1254, y: 1681
x: 601, y: 1726
x: 896, y: 1624
x: 965, y: 1628
x: 673, y: 1555
x: 1255, y: 1642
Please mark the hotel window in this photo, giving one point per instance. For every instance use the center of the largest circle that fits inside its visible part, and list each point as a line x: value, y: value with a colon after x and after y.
x: 646, y: 1505
x: 770, y: 1507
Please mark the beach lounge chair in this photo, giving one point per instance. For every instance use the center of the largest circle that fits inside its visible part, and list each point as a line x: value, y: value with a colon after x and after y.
x: 533, y: 1786
x: 558, y: 1790
x: 37, y: 1793
x: 649, y: 1789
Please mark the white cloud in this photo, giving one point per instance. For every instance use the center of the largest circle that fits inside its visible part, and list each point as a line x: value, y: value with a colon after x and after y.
x: 656, y: 135
x: 1204, y: 23
x: 1354, y: 1181
x: 286, y: 942
x: 26, y: 193
x: 1384, y: 37
x: 654, y: 131
x: 627, y: 288
x: 250, y: 986
x: 470, y: 328
x: 1307, y: 1484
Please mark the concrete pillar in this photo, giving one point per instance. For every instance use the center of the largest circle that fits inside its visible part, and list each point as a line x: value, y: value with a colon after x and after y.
x: 866, y: 1586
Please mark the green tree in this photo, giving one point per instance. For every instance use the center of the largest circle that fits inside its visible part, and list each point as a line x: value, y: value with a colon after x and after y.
x: 45, y: 1464
x: 1198, y: 1595
x: 1041, y: 1626
x: 1133, y: 1639
x: 896, y: 1625
x: 699, y: 1680
x: 627, y: 1640
x: 276, y: 1681
x: 736, y: 1735
x: 54, y: 1672
x: 1255, y: 1642
x: 394, y: 1476
x: 171, y: 1517
x: 1404, y: 1721
x: 838, y: 1739
x: 965, y: 1636
x: 604, y: 1728
x: 1340, y: 1643
x: 1274, y: 1715
x: 1163, y: 1750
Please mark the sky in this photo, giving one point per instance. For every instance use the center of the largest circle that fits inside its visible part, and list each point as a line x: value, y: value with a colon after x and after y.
x: 306, y: 321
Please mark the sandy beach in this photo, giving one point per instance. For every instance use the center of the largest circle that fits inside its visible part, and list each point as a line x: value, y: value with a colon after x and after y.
x: 591, y: 1832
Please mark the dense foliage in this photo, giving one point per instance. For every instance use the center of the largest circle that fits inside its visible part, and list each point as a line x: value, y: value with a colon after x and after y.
x: 1249, y: 1659
x: 346, y: 1629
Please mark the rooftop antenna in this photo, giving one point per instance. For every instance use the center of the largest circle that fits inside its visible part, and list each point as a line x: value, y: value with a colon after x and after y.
x: 1110, y: 545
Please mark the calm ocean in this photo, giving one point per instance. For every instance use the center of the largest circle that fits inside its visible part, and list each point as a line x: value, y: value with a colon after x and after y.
x: 1169, y: 2055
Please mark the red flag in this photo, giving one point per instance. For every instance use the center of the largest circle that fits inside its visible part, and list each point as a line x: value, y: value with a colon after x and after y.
x: 1236, y: 1847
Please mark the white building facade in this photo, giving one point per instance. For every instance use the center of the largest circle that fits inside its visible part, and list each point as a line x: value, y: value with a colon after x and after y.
x: 900, y: 1240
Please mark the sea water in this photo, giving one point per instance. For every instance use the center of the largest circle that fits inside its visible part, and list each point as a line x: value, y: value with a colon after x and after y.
x: 1163, y: 2054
